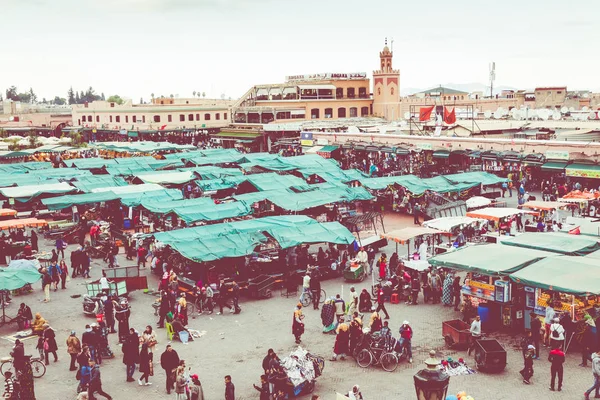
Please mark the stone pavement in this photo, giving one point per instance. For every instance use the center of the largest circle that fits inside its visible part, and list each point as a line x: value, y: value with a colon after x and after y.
x: 236, y: 344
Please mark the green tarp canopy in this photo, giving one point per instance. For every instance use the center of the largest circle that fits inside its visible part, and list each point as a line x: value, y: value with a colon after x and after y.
x: 553, y: 166
x: 556, y: 242
x: 131, y: 161
x: 141, y: 147
x: 24, y: 180
x: 216, y: 159
x: 211, y: 185
x: 14, y: 154
x: 211, y: 172
x: 66, y: 173
x: 237, y: 239
x: 90, y: 163
x: 13, y: 279
x: 135, y: 199
x: 318, y: 197
x: 167, y: 177
x: 24, y: 167
x: 214, y: 212
x: 88, y: 183
x: 26, y: 193
x: 159, y: 165
x: 251, y: 198
x: 160, y: 207
x: 59, y: 203
x: 123, y: 170
x: 484, y: 178
x: 271, y: 181
x: 489, y: 259
x: 579, y: 276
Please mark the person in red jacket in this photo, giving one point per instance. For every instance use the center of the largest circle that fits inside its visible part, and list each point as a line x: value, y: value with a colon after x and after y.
x: 381, y: 301
x: 557, y: 358
x: 141, y: 256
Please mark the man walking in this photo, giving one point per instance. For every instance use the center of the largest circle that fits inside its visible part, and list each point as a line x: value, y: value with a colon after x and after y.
x: 229, y: 388
x: 475, y: 333
x: 596, y: 373
x: 557, y: 358
x: 557, y: 334
x: 169, y: 360
x: 381, y: 301
x: 362, y: 257
x: 95, y: 385
x: 305, y: 286
x: 315, y: 288
x: 340, y: 308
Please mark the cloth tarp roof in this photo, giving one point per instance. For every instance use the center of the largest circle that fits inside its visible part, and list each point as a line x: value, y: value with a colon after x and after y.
x: 405, y: 234
x: 61, y: 202
x: 13, y: 279
x: 146, y: 187
x: 216, y: 248
x: 214, y: 212
x: 578, y: 196
x: 216, y: 159
x: 88, y: 183
x: 318, y: 197
x: 89, y: 163
x: 5, y: 212
x: 160, y: 207
x: 489, y: 259
x: 211, y: 172
x: 128, y: 170
x: 543, y: 205
x: 129, y: 161
x: 484, y: 178
x: 447, y: 224
x: 24, y: 167
x: 141, y: 147
x: 556, y: 242
x: 567, y: 274
x: 67, y: 173
x: 270, y: 181
x: 167, y: 177
x: 165, y: 164
x: 330, y: 232
x: 251, y: 198
x: 478, y: 201
x: 135, y: 199
x: 21, y: 223
x: 26, y: 193
x: 12, y: 179
x: 228, y: 182
x: 495, y: 214
x: 439, y: 184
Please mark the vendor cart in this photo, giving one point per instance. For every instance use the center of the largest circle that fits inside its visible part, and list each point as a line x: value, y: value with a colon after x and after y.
x: 302, y: 369
x: 456, y: 333
x: 260, y: 287
x: 118, y: 288
x: 355, y: 271
x: 129, y: 275
x: 490, y: 355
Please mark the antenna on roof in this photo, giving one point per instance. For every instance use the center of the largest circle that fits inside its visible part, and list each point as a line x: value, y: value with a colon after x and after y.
x: 492, y: 78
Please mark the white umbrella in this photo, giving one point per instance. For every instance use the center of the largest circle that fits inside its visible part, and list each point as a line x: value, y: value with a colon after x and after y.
x: 478, y: 201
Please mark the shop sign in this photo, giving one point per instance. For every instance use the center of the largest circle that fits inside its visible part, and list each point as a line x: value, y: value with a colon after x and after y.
x: 326, y: 76
x: 479, y: 290
x: 557, y: 155
x: 425, y: 146
x: 322, y: 142
x: 583, y: 173
x: 306, y: 142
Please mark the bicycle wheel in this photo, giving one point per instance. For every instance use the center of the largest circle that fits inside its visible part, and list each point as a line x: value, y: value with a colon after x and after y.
x: 389, y: 362
x: 38, y: 368
x: 7, y: 366
x: 306, y: 299
x: 323, y: 296
x: 364, y: 358
x: 191, y: 310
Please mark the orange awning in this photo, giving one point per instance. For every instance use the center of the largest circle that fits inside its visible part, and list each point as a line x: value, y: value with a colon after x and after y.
x: 496, y: 214
x: 5, y: 212
x: 22, y: 223
x: 543, y: 205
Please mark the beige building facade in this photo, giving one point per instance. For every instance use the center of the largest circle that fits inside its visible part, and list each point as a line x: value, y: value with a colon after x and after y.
x: 163, y: 113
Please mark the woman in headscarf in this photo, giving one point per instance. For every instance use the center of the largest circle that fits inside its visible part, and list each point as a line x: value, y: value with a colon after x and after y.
x: 355, y: 393
x: 297, y: 323
x: 364, y: 301
x: 50, y: 345
x: 447, y: 290
x: 393, y: 264
x: 328, y: 315
x: 382, y: 264
x: 375, y: 324
x: 340, y: 347
x: 355, y: 332
x: 145, y: 365
x: 38, y: 324
x: 182, y: 309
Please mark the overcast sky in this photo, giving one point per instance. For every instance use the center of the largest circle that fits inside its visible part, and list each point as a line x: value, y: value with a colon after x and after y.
x: 138, y: 47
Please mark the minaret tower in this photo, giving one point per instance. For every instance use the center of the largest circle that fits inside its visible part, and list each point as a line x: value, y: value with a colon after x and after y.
x: 386, y: 87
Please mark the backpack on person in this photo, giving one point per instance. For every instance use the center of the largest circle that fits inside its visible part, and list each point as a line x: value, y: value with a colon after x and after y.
x: 555, y: 333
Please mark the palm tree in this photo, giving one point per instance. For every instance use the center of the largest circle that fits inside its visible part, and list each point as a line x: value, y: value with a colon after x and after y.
x: 194, y: 93
x: 171, y: 96
x: 152, y: 96
x: 203, y: 94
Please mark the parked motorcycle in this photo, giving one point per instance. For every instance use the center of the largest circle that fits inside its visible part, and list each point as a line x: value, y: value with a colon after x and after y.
x: 92, y: 306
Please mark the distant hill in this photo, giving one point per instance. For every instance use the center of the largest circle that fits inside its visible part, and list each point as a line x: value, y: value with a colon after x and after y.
x: 465, y: 87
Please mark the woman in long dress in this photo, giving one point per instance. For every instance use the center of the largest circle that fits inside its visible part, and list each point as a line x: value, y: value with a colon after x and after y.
x: 447, y: 290
x: 297, y: 323
x: 340, y: 347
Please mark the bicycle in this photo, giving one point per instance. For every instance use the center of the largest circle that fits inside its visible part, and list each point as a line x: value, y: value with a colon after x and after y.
x: 37, y: 366
x: 376, y: 353
x: 307, y: 298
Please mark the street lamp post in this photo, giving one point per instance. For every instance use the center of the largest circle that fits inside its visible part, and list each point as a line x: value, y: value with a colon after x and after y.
x: 431, y: 383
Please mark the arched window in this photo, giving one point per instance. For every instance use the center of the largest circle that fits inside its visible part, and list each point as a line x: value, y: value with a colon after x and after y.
x: 190, y: 117
x: 364, y: 111
x: 353, y: 112
x: 314, y: 113
x: 329, y: 113
x: 207, y: 117
x: 83, y: 118
x: 342, y: 112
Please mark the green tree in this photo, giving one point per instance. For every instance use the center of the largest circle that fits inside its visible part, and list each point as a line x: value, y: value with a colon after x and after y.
x: 33, y: 139
x: 59, y: 101
x: 24, y: 97
x: 32, y: 96
x: 11, y: 93
x: 203, y: 94
x: 102, y: 97
x: 70, y: 96
x: 82, y: 98
x: 77, y: 98
x: 141, y: 100
x: 115, y: 98
x: 171, y: 96
x: 194, y: 93
x: 14, y: 144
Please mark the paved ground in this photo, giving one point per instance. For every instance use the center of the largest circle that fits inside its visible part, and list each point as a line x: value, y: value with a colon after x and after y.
x: 236, y: 344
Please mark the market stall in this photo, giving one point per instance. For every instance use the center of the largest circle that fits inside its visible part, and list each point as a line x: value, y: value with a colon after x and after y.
x: 22, y: 223
x: 405, y: 235
x: 501, y: 217
x: 478, y: 202
x: 486, y: 288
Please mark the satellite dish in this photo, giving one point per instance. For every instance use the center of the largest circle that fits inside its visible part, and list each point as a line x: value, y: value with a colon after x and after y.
x: 497, y: 114
x: 586, y: 95
x: 11, y: 118
x: 407, y: 115
x: 543, y: 114
x: 556, y: 115
x: 585, y: 108
x: 564, y: 110
x: 487, y: 114
x: 532, y: 113
x: 571, y: 109
x: 592, y: 115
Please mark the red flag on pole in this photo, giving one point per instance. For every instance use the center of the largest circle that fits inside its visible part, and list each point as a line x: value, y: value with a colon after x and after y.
x: 425, y: 113
x: 575, y: 231
x: 162, y: 128
x: 449, y: 117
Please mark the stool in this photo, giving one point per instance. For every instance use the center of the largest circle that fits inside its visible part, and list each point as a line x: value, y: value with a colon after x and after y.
x: 395, y: 299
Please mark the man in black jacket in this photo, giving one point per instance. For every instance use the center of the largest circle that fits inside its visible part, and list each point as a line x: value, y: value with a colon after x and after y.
x: 315, y: 288
x: 265, y: 393
x: 95, y: 385
x: 229, y: 388
x: 89, y: 338
x: 169, y: 360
